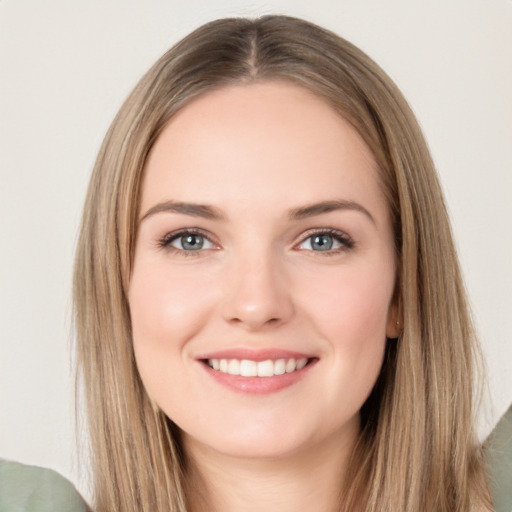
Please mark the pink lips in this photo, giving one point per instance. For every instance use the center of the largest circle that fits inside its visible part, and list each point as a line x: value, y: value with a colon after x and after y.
x: 257, y: 384
x: 254, y: 354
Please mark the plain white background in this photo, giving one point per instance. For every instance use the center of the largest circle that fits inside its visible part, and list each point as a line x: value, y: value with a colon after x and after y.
x: 66, y: 66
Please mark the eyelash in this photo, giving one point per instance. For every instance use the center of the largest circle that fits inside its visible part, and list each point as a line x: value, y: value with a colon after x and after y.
x: 165, y: 241
x: 342, y: 238
x: 345, y: 240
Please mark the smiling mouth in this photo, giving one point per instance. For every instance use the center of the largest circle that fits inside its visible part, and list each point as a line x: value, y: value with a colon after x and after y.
x: 249, y: 368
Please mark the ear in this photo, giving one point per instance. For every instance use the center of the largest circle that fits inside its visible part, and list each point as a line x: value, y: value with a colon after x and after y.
x: 394, y: 325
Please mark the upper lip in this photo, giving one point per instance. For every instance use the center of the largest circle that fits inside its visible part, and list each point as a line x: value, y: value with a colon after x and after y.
x: 252, y: 354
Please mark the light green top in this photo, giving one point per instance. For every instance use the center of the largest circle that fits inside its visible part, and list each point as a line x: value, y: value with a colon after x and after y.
x: 499, y: 463
x: 33, y: 489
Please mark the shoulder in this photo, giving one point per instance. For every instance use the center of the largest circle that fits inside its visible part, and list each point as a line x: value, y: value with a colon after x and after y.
x: 498, y: 448
x: 33, y: 489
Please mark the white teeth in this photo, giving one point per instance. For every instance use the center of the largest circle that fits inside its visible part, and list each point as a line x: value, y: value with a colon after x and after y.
x: 265, y: 368
x: 291, y: 365
x: 248, y: 368
x: 234, y: 367
x: 301, y: 363
x: 280, y: 367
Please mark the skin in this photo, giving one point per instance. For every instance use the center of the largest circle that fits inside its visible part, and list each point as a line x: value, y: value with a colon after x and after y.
x: 255, y: 153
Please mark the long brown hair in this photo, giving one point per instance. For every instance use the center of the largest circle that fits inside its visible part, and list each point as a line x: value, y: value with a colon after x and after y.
x: 417, y: 450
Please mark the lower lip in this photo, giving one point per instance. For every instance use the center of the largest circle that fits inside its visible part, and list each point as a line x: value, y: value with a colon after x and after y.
x: 258, y: 385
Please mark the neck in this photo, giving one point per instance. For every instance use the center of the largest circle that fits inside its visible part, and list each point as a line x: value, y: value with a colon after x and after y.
x: 311, y: 480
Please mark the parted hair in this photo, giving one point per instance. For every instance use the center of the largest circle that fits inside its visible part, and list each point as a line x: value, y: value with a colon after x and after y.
x: 417, y: 450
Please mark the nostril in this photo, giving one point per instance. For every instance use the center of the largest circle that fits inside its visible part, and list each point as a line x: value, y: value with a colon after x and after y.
x: 255, y: 321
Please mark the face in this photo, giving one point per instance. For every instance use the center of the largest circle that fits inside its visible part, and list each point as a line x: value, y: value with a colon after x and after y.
x: 261, y: 294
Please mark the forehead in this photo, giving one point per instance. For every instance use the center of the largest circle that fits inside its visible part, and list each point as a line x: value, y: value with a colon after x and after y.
x: 262, y: 140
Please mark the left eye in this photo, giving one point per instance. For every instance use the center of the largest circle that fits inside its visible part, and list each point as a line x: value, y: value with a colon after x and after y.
x: 324, y: 242
x: 190, y: 242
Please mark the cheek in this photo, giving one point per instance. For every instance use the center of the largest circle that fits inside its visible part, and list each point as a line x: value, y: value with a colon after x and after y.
x: 351, y: 313
x: 353, y: 305
x: 166, y: 307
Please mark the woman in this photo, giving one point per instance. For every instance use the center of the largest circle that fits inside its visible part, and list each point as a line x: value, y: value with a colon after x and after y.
x: 269, y: 307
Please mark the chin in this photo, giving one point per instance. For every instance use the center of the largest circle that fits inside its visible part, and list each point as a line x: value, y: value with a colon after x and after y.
x: 244, y: 449
x: 265, y: 442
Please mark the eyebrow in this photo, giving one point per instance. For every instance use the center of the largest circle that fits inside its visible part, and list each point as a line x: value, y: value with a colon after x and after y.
x: 195, y: 210
x: 211, y: 213
x: 327, y: 207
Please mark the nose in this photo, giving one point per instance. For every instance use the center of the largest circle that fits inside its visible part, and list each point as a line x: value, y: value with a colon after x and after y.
x: 257, y: 294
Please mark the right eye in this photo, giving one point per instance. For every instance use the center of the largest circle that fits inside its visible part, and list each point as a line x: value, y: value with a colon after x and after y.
x: 187, y: 241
